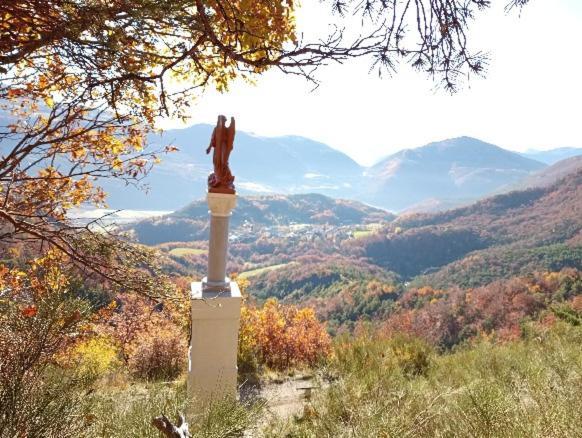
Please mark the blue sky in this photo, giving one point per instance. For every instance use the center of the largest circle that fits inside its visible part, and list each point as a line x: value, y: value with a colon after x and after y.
x: 531, y: 97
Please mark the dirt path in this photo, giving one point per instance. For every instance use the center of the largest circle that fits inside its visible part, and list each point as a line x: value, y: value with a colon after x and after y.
x: 285, y: 398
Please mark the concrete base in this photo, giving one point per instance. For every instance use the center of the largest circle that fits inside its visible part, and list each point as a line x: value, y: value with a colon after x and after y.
x: 212, y: 370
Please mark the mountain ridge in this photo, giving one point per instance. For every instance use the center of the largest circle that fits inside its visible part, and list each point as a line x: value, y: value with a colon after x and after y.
x: 500, y: 236
x: 552, y: 156
x: 461, y: 169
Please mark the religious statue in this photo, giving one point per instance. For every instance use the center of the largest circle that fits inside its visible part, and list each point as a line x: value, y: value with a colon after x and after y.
x: 221, y: 180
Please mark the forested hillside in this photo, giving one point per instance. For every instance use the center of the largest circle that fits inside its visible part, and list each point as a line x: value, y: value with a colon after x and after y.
x: 363, y: 276
x: 254, y: 213
x: 317, y: 251
x: 504, y: 234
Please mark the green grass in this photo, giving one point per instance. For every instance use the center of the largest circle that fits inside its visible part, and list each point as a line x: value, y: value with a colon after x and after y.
x: 384, y: 388
x: 253, y: 272
x: 181, y: 252
x: 367, y: 230
x: 358, y: 234
x: 388, y: 388
x: 128, y: 412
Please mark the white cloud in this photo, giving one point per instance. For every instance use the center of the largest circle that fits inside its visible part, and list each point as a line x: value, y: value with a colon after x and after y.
x: 311, y: 175
x: 255, y: 187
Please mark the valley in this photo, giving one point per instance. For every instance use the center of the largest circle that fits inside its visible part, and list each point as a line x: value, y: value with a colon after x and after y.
x: 355, y: 263
x: 284, y: 219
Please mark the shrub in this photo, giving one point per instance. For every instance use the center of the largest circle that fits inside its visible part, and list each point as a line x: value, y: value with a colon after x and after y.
x: 94, y: 357
x: 39, y: 319
x: 413, y: 356
x: 128, y: 413
x: 247, y: 356
x: 160, y: 354
x: 281, y: 337
x: 521, y: 388
x: 151, y: 336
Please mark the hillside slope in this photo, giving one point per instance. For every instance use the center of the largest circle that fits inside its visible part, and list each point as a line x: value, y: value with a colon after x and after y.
x: 552, y: 174
x: 552, y: 156
x: 497, y: 237
x: 253, y: 212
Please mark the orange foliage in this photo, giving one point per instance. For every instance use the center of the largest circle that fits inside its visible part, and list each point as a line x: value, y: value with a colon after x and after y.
x: 496, y: 310
x: 150, y: 336
x: 39, y: 319
x: 282, y: 337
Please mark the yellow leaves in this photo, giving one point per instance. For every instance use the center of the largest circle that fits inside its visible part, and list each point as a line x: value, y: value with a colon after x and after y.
x: 43, y: 278
x: 282, y: 336
x: 48, y: 173
x: 93, y: 357
x: 103, y: 77
x: 78, y: 152
x: 46, y: 274
x: 116, y: 146
x: 42, y: 81
x: 117, y: 164
x: 49, y: 101
x: 81, y: 191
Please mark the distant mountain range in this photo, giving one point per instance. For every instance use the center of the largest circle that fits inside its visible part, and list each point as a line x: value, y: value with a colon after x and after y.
x: 261, y: 165
x: 432, y: 177
x: 553, y: 155
x: 459, y: 169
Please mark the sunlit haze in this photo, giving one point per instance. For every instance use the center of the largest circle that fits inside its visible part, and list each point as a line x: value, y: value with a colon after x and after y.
x: 530, y: 98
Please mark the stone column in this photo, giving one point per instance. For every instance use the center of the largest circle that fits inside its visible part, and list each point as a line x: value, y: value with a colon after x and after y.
x: 216, y: 301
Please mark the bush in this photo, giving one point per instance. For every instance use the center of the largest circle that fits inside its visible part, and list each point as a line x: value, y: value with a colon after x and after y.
x: 128, y: 413
x: 159, y: 355
x: 365, y: 354
x: 530, y: 387
x: 39, y: 319
x: 281, y: 337
x: 247, y: 356
x: 94, y: 357
x: 413, y: 356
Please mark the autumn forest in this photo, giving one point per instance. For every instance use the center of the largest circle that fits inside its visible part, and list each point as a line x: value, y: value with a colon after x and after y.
x: 461, y: 320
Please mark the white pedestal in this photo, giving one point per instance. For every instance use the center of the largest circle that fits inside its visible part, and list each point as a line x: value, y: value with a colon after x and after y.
x: 212, y: 370
x: 216, y: 302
